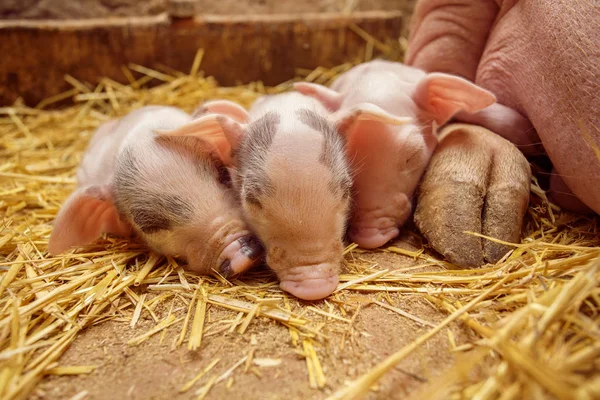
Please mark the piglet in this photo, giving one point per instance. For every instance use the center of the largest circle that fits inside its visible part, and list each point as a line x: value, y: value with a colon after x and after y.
x: 389, y: 158
x: 175, y: 193
x: 294, y: 182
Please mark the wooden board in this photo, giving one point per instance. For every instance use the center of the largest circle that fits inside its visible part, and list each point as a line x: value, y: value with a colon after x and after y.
x: 37, y: 54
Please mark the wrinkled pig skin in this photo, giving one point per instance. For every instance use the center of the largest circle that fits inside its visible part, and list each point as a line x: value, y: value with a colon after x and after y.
x: 540, y: 58
x: 391, y: 137
x: 476, y: 181
x: 173, y: 192
x: 293, y: 180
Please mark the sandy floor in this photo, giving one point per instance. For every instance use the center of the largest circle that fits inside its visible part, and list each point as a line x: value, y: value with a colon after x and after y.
x: 155, y: 370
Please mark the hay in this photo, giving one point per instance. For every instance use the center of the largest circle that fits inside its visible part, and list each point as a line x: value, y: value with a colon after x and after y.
x: 535, y: 314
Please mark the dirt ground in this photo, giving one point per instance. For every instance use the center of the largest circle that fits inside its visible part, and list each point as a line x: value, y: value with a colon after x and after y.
x: 65, y: 9
x: 155, y: 370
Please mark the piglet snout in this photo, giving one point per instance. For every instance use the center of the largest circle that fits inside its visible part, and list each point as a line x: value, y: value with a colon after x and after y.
x: 311, y: 289
x: 240, y: 255
x: 312, y: 282
x: 372, y: 237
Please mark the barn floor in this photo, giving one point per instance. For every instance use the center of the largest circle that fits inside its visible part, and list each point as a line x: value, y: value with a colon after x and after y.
x: 113, y: 321
x: 154, y: 370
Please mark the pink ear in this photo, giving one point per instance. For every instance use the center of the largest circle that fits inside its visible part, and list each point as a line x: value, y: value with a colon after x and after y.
x: 442, y: 95
x: 328, y: 97
x: 367, y: 112
x: 223, y: 107
x: 222, y: 133
x: 87, y: 214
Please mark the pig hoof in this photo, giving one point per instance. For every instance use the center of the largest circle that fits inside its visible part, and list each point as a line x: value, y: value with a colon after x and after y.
x: 311, y: 289
x: 371, y: 238
x: 476, y: 181
x: 240, y: 255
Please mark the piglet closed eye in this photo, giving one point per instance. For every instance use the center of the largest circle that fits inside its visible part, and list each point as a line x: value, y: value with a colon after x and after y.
x: 175, y: 193
x: 294, y: 183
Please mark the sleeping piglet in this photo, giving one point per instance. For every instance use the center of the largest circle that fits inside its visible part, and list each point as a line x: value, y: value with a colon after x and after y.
x: 294, y: 182
x: 175, y: 193
x: 388, y: 157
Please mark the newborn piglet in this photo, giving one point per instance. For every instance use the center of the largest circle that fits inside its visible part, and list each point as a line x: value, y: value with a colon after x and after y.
x: 393, y: 137
x: 175, y: 193
x: 294, y: 182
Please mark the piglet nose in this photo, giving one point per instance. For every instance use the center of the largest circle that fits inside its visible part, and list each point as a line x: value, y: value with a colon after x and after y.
x: 240, y: 255
x: 311, y: 289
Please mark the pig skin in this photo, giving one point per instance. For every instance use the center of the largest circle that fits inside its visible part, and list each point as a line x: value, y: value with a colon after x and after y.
x: 540, y: 58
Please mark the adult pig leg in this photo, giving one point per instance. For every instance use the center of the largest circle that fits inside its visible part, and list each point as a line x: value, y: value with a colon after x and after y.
x: 507, y: 123
x: 476, y: 181
x: 507, y: 195
x: 450, y: 36
x: 450, y: 199
x: 541, y: 58
x: 561, y: 194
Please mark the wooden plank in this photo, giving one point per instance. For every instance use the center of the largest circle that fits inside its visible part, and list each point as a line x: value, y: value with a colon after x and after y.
x: 37, y: 54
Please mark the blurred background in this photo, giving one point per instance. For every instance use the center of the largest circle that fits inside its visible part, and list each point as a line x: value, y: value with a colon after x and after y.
x: 65, y: 9
x: 49, y: 44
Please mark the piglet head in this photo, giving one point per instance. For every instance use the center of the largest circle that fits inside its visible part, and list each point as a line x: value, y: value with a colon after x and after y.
x: 203, y: 218
x: 390, y: 136
x: 294, y: 190
x: 176, y: 194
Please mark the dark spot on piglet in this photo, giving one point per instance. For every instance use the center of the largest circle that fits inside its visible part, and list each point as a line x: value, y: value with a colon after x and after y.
x: 149, y: 220
x: 177, y: 207
x: 199, y: 111
x: 258, y: 139
x: 320, y: 124
x: 153, y: 212
x: 252, y: 193
x: 223, y: 174
x: 333, y: 155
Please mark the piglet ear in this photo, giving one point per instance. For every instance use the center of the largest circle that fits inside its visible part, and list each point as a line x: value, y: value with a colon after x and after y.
x: 88, y: 213
x: 331, y: 99
x: 221, y: 133
x: 442, y: 95
x: 223, y: 107
x: 346, y: 120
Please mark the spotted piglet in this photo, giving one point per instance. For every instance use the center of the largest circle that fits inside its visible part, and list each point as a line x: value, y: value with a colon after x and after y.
x: 294, y: 182
x: 175, y: 193
x: 389, y: 158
